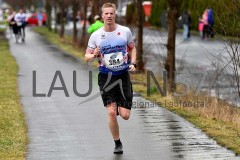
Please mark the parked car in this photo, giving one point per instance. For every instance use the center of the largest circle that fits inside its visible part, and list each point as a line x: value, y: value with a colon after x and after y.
x: 33, y: 20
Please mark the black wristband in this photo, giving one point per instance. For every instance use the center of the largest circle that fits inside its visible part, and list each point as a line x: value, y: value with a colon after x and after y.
x: 134, y: 64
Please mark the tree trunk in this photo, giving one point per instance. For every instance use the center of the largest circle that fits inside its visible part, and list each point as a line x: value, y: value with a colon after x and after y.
x: 62, y: 21
x: 55, y: 14
x: 49, y: 16
x: 172, y: 17
x: 95, y: 10
x: 82, y: 41
x: 75, y: 6
x: 140, y: 64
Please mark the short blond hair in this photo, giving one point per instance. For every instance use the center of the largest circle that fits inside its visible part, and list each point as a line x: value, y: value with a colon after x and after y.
x: 109, y: 5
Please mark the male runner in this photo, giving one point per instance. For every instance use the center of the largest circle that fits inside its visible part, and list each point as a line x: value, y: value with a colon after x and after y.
x: 113, y: 45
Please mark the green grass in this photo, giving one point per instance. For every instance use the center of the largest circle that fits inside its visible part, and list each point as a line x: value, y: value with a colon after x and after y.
x: 225, y: 133
x: 13, y: 130
x: 2, y: 22
x: 2, y: 30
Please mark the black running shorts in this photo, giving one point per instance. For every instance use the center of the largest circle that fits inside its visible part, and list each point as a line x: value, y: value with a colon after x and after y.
x: 118, y: 90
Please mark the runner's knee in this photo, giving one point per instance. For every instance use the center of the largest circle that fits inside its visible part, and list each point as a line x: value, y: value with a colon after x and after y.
x: 112, y: 114
x: 111, y: 111
x: 125, y: 116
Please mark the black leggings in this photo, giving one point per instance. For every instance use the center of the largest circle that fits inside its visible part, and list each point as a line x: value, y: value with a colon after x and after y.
x: 22, y: 31
x: 207, y: 29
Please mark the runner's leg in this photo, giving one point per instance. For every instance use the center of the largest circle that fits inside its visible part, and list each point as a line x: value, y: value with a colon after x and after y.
x: 23, y: 32
x: 112, y: 120
x: 114, y: 128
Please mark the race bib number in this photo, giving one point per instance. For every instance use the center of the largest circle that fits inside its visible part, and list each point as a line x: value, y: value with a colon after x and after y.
x: 114, y: 61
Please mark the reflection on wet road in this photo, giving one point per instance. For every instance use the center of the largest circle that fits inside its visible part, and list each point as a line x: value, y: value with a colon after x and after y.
x: 184, y: 141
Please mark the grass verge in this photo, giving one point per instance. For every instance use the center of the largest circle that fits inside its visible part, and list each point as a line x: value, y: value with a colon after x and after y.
x: 218, y: 120
x: 13, y: 130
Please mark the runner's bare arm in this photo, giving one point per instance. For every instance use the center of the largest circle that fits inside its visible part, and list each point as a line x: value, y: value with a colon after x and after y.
x: 132, y: 55
x: 89, y: 56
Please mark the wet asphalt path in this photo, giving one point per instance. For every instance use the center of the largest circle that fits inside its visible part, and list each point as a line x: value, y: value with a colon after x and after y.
x: 60, y: 129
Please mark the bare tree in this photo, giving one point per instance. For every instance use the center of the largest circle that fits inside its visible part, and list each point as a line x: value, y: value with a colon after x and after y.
x: 140, y: 64
x: 55, y: 13
x: 95, y: 9
x: 83, y: 41
x: 49, y: 11
x: 233, y: 50
x: 172, y: 17
x: 62, y: 5
x: 20, y: 4
x: 232, y: 43
x: 75, y: 8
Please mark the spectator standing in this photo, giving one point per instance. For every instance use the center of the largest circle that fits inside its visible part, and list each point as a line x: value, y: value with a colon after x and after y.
x: 189, y: 24
x: 40, y: 18
x: 185, y: 22
x: 200, y: 27
x: 205, y: 22
x: 210, y: 22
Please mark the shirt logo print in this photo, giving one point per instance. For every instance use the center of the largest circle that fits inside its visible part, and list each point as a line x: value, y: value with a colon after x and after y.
x: 103, y: 36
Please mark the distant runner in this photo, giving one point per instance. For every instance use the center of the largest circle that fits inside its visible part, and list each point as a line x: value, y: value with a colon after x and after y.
x: 20, y: 19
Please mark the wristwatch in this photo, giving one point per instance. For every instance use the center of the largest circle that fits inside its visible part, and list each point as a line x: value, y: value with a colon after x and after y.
x: 134, y: 64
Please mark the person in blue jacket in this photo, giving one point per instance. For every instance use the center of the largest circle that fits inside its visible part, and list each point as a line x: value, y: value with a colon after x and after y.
x: 210, y: 23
